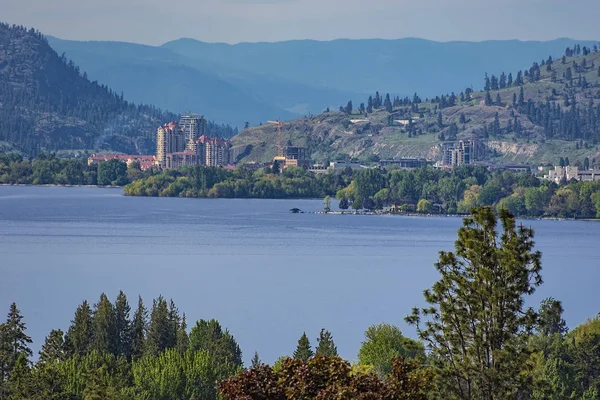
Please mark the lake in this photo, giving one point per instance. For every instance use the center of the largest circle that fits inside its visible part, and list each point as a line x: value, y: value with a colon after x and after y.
x: 266, y: 274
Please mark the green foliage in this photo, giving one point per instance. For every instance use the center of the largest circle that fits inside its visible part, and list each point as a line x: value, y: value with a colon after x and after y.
x: 220, y: 344
x: 326, y: 346
x: 112, y: 172
x: 382, y: 344
x: 477, y: 326
x: 303, y: 351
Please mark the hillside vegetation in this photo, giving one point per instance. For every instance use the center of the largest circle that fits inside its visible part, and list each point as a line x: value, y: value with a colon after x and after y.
x: 549, y: 110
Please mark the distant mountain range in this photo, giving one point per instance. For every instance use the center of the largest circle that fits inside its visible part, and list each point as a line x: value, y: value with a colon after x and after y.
x: 254, y: 82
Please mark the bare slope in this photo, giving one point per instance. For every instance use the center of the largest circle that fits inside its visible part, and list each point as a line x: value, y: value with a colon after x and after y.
x: 557, y: 115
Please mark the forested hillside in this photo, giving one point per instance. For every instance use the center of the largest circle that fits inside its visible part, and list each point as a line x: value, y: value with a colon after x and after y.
x: 48, y: 103
x: 549, y: 110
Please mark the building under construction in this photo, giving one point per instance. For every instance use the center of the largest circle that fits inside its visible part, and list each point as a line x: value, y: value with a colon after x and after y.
x: 293, y: 156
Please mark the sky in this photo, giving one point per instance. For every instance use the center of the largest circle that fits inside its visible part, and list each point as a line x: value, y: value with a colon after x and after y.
x: 157, y: 21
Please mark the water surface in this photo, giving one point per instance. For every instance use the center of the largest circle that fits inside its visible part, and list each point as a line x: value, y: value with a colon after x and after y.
x: 266, y: 274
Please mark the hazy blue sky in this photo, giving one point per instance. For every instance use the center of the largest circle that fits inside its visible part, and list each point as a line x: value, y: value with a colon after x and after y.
x: 158, y: 21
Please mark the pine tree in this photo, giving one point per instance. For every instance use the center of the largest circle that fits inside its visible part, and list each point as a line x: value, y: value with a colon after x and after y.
x: 303, y: 351
x: 183, y: 341
x: 122, y: 326
x: 440, y: 120
x: 476, y: 324
x: 498, y: 100
x: 488, y: 99
x: 521, y: 97
x: 255, y: 361
x: 509, y: 81
x: 14, y: 343
x: 209, y: 336
x: 53, y: 349
x: 104, y: 334
x: 326, y: 346
x: 79, y: 336
x: 160, y: 334
x: 138, y: 330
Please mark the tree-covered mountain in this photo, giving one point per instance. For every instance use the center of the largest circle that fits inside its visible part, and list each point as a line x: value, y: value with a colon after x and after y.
x: 547, y: 110
x: 48, y: 103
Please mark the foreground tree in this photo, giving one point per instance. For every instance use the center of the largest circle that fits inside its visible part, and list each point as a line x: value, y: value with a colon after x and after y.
x: 383, y: 343
x: 477, y: 325
x: 327, y: 378
x: 326, y: 346
x: 303, y: 351
x: 14, y: 343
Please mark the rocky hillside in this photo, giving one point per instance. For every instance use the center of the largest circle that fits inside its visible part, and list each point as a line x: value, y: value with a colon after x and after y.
x: 48, y: 104
x: 536, y: 115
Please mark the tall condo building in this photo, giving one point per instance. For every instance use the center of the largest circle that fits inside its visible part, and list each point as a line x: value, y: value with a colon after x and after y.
x: 193, y: 126
x: 170, y: 138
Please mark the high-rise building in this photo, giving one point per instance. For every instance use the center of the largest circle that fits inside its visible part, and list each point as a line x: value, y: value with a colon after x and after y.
x: 193, y: 126
x: 216, y: 151
x: 170, y: 138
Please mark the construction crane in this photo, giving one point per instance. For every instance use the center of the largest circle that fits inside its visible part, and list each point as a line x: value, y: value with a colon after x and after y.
x: 278, y: 123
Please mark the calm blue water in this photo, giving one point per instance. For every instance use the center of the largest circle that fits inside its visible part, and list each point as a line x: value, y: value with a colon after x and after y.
x: 266, y: 274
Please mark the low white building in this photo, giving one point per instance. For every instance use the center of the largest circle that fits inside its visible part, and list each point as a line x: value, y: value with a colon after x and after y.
x: 570, y: 172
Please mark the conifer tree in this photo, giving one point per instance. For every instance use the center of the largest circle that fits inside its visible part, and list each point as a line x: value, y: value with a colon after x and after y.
x: 509, y: 81
x: 14, y: 343
x: 80, y: 334
x: 488, y: 99
x: 255, y: 361
x: 122, y: 326
x: 303, y: 352
x: 104, y: 334
x: 183, y: 341
x: 476, y: 325
x: 138, y: 330
x: 326, y: 346
x: 209, y: 336
x: 521, y: 97
x: 160, y: 334
x: 53, y: 349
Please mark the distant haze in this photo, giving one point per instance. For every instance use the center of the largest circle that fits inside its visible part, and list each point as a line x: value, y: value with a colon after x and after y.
x: 232, y: 21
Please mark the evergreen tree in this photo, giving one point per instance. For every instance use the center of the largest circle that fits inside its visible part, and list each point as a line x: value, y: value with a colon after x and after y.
x: 210, y: 337
x: 122, y: 326
x: 370, y: 105
x: 502, y: 82
x: 498, y: 100
x: 521, y: 97
x: 440, y: 120
x: 326, y: 346
x: 509, y: 81
x: 550, y: 319
x: 183, y: 341
x: 255, y: 361
x: 567, y: 161
x: 138, y: 330
x: 161, y: 335
x: 348, y: 109
x: 303, y: 352
x: 488, y: 86
x: 53, y: 349
x: 586, y: 163
x: 104, y: 334
x: 14, y: 343
x: 80, y: 334
x: 477, y: 326
x: 561, y: 162
x: 488, y: 99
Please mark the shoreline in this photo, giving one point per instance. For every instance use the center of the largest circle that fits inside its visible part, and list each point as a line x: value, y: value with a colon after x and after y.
x: 340, y: 212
